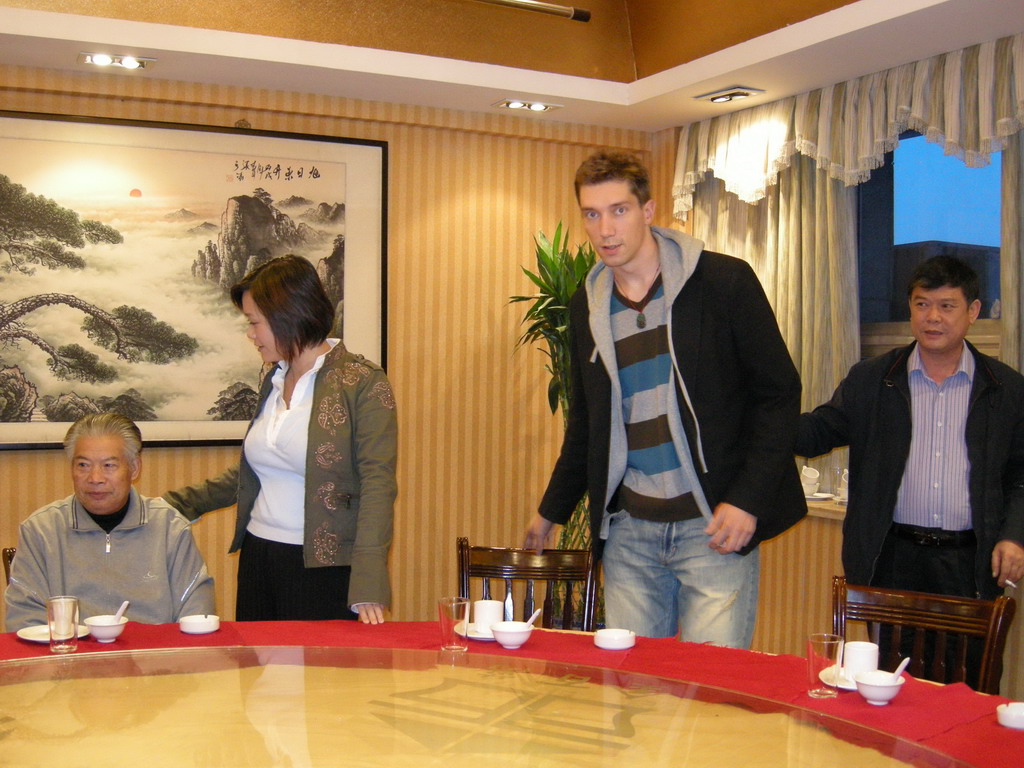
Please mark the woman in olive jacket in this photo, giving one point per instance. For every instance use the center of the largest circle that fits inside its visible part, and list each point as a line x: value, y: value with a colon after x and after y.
x: 315, y: 486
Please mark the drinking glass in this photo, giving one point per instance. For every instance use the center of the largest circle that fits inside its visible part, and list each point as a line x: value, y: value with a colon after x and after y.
x: 453, y: 619
x: 62, y: 617
x: 823, y: 654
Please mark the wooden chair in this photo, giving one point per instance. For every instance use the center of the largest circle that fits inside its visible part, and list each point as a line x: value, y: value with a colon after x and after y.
x: 8, y: 555
x: 523, y: 568
x: 948, y: 622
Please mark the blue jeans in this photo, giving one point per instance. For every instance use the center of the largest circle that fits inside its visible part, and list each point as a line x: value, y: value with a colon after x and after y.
x: 662, y: 579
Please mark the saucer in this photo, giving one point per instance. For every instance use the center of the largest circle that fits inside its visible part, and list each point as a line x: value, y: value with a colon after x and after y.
x: 845, y: 683
x: 820, y: 497
x: 40, y: 633
x: 473, y: 634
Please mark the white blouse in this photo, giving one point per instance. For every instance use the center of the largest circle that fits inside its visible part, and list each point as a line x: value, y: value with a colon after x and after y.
x: 276, y: 450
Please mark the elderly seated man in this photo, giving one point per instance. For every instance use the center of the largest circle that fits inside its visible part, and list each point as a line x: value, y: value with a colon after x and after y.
x: 106, y: 543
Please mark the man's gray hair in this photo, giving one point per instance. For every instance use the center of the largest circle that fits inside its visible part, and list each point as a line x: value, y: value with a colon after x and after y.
x: 102, y: 424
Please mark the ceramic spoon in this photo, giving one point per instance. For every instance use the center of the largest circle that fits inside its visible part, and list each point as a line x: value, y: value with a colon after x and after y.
x: 900, y: 668
x: 120, y: 612
x: 533, y: 618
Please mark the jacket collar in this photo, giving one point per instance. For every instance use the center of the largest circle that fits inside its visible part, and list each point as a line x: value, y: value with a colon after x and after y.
x: 984, y: 376
x: 136, y: 515
x: 678, y: 253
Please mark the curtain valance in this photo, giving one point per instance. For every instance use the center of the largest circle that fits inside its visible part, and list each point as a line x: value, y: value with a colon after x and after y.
x: 969, y: 101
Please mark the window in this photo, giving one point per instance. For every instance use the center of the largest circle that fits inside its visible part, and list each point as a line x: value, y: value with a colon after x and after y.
x: 920, y: 204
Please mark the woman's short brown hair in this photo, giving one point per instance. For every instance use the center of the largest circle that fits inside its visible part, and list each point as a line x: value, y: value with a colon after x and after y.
x: 289, y: 293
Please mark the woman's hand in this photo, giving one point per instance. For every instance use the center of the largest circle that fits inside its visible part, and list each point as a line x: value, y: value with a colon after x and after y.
x: 370, y: 613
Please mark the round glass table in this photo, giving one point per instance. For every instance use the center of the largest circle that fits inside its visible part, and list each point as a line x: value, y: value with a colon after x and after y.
x: 316, y: 706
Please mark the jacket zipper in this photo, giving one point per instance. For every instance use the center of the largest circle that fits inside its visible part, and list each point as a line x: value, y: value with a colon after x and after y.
x: 107, y: 547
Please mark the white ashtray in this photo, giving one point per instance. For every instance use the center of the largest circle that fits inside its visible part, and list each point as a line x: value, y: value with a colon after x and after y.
x: 200, y: 624
x: 614, y: 639
x: 1011, y: 715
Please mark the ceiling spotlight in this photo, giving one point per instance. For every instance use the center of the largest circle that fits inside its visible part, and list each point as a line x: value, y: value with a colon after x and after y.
x: 124, y: 61
x: 530, y: 106
x: 732, y: 93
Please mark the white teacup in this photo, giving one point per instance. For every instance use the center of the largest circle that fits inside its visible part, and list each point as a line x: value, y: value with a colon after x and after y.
x: 810, y: 488
x: 486, y: 613
x: 859, y: 656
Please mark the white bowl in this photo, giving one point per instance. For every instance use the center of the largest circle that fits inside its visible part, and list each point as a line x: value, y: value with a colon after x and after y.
x: 614, y: 639
x: 1011, y: 715
x: 878, y: 687
x: 511, y: 634
x: 199, y: 624
x: 104, y: 628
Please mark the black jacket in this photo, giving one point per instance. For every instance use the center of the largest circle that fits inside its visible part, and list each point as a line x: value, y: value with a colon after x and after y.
x: 745, y: 393
x: 870, y: 412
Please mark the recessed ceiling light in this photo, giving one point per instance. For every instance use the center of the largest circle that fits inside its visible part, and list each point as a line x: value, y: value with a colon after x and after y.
x: 732, y: 93
x: 123, y: 61
x: 530, y: 106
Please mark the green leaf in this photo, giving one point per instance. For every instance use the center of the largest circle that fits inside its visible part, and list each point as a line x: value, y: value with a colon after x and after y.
x: 561, y: 270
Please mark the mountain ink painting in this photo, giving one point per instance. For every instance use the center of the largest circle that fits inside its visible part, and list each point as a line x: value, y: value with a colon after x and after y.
x: 119, y: 244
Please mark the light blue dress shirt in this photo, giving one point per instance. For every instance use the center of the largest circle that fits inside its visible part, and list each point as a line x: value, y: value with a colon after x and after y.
x: 934, y: 492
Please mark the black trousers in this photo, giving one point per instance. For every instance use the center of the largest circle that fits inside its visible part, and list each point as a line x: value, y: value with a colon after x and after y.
x: 275, y: 585
x: 904, y: 564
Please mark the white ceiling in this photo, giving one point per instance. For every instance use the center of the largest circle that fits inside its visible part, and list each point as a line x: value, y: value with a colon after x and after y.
x: 859, y: 38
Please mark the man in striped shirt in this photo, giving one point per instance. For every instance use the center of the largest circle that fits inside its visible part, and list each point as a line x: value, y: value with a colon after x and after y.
x: 682, y: 420
x: 936, y: 436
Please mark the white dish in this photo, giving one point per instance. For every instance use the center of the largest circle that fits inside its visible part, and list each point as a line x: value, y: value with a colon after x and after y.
x: 199, y: 624
x: 845, y: 683
x: 473, y: 634
x: 877, y: 687
x: 614, y: 639
x: 1011, y: 715
x: 511, y: 634
x: 820, y: 497
x: 41, y: 633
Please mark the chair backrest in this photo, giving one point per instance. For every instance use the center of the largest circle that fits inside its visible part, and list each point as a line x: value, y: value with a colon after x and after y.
x: 568, y: 575
x: 949, y: 622
x: 8, y: 555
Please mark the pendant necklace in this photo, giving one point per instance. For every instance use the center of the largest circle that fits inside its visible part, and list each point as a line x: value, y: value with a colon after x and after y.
x: 640, y: 306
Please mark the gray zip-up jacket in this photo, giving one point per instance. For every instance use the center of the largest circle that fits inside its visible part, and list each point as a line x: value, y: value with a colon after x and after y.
x: 149, y: 559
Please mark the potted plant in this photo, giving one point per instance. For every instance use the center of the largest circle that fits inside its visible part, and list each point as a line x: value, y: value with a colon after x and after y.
x: 560, y: 271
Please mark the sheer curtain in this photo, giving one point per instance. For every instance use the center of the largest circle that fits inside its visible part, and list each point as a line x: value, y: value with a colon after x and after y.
x: 1011, y: 254
x: 774, y: 185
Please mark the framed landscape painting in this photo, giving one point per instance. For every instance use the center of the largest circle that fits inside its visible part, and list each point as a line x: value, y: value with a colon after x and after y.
x: 119, y: 242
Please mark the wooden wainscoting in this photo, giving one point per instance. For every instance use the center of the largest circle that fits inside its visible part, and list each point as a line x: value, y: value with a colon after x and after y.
x: 796, y: 583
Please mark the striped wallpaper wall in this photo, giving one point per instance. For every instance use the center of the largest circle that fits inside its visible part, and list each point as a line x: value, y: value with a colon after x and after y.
x: 466, y: 193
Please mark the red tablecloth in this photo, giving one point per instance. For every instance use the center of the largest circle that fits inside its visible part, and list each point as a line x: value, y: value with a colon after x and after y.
x: 952, y: 719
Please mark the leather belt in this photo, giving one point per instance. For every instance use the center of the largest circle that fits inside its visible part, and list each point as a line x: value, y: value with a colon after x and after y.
x: 934, y: 537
